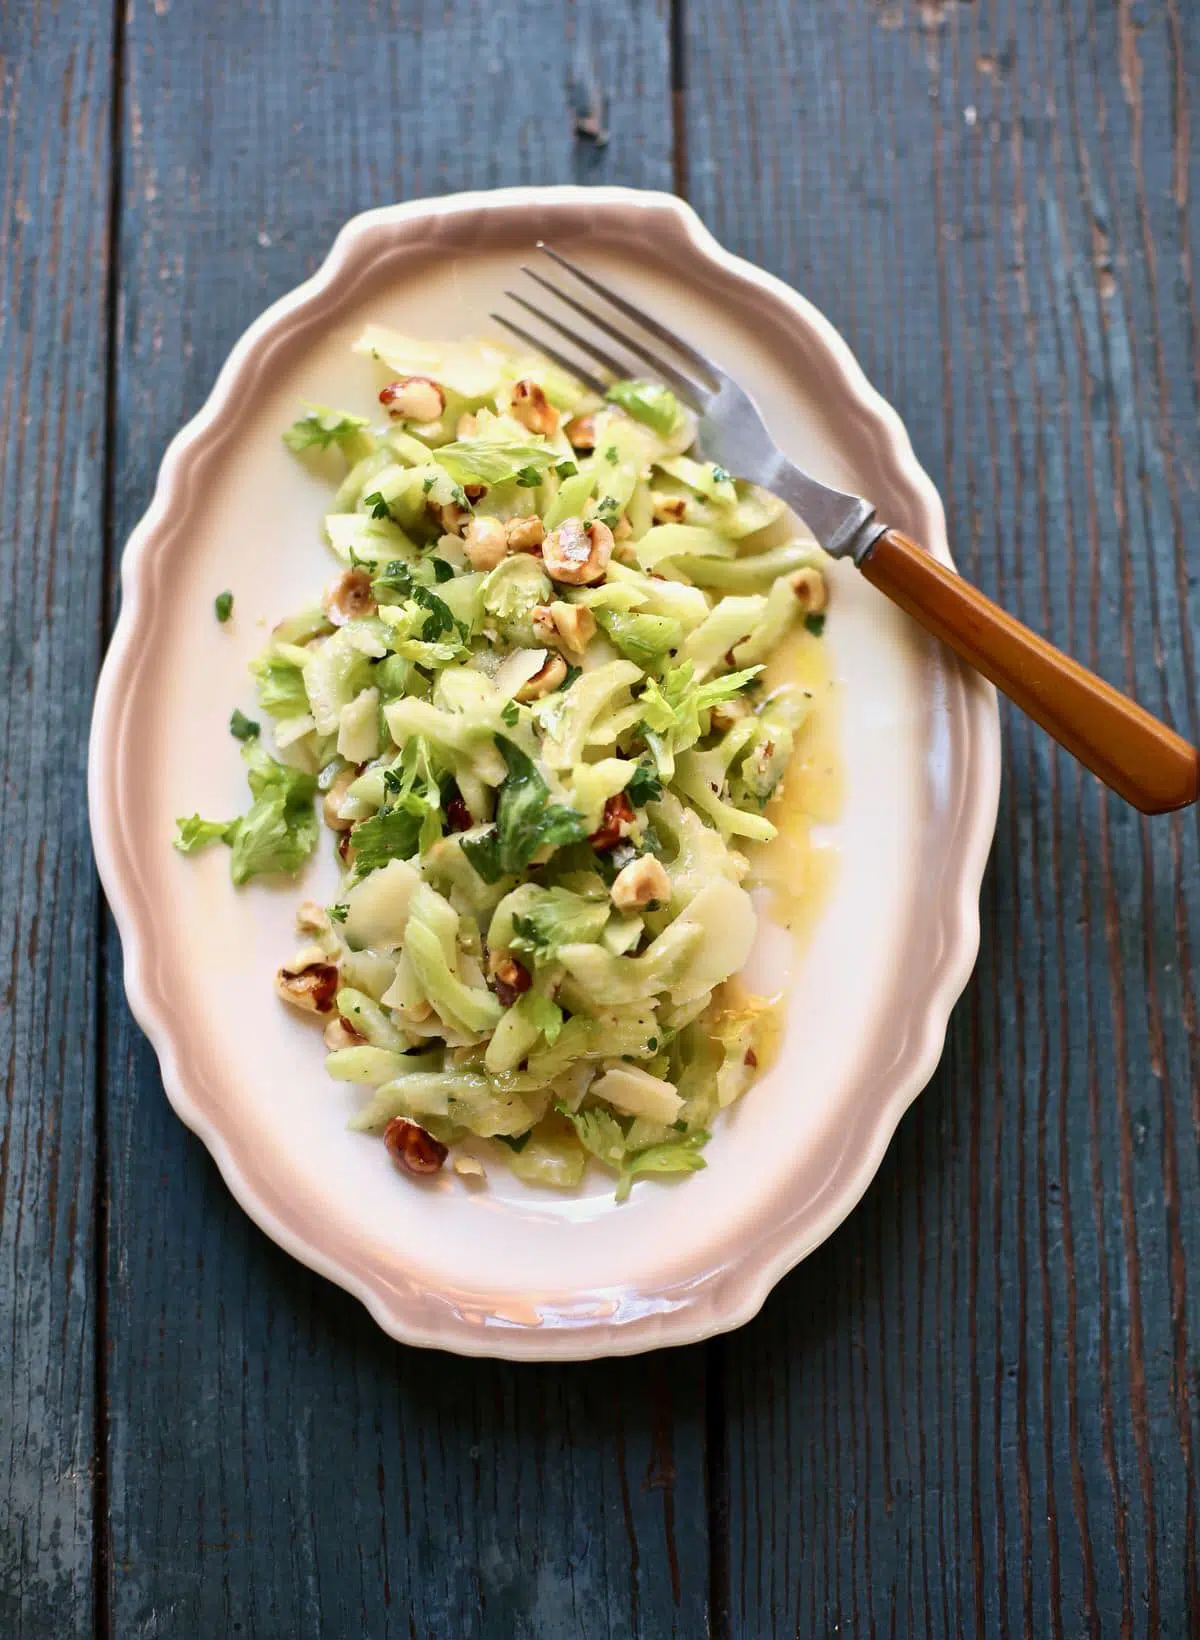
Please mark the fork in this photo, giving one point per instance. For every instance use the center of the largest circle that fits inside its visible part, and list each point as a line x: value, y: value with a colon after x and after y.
x: 1140, y: 758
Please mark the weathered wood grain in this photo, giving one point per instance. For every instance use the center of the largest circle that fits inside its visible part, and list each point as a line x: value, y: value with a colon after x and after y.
x: 975, y: 1410
x: 55, y: 87
x: 277, y: 1466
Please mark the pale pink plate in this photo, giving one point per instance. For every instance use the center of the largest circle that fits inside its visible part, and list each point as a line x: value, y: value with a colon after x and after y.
x: 510, y: 1271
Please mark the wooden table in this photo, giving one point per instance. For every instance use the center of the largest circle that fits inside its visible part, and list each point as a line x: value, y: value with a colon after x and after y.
x: 975, y: 1410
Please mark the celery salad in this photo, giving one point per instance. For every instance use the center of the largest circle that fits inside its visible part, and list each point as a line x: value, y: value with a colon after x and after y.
x: 528, y: 709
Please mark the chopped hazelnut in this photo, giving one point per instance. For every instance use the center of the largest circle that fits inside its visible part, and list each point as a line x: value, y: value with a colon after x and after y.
x: 311, y: 918
x: 530, y: 406
x: 669, y: 509
x: 311, y: 989
x: 643, y: 882
x: 510, y: 980
x: 485, y: 542
x: 339, y: 1033
x: 349, y: 597
x: 458, y: 814
x: 617, y: 818
x: 581, y: 433
x: 449, y: 515
x: 577, y: 553
x: 525, y: 534
x: 574, y: 624
x: 413, y: 398
x: 726, y: 713
x: 810, y: 591
x: 411, y: 1147
x: 548, y: 678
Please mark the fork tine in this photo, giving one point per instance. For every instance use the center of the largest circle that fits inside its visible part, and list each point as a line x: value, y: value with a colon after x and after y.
x: 560, y: 359
x: 605, y: 360
x: 682, y: 384
x: 654, y: 326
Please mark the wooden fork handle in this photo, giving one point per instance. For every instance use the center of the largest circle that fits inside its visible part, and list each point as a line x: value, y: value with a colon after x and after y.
x: 1148, y: 764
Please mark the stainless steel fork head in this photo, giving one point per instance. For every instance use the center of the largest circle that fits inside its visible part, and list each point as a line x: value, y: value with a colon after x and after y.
x: 731, y: 428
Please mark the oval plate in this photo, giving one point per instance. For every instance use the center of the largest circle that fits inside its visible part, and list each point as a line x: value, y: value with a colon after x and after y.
x: 509, y: 1271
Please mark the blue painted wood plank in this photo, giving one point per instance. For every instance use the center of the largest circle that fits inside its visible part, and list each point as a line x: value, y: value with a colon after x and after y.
x: 975, y: 1411
x: 55, y: 90
x: 276, y: 1464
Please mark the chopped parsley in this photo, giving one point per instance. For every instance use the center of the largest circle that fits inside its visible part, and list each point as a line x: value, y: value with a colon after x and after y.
x: 815, y: 624
x: 645, y: 786
x: 241, y: 727
x: 322, y: 427
x: 223, y: 606
x: 378, y: 506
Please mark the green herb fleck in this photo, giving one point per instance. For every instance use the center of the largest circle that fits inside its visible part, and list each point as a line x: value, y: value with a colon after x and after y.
x: 509, y: 712
x: 322, y: 427
x: 337, y: 913
x: 815, y: 624
x: 611, y: 456
x: 528, y: 478
x: 223, y: 606
x: 721, y: 475
x: 241, y: 727
x: 645, y: 786
x: 566, y: 469
x: 378, y: 506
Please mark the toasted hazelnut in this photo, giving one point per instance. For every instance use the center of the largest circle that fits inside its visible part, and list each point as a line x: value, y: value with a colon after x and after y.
x: 669, y: 509
x: 808, y: 585
x: 574, y: 625
x: 311, y: 988
x: 543, y: 625
x: 411, y: 1147
x: 510, y: 980
x: 577, y: 553
x: 332, y: 802
x: 349, y: 597
x: 339, y: 1033
x: 617, y: 818
x: 311, y: 918
x: 413, y: 398
x: 485, y: 542
x: 469, y: 1167
x: 468, y: 426
x: 726, y: 713
x: 530, y: 406
x: 450, y: 517
x: 525, y: 534
x: 581, y: 433
x: 552, y: 673
x: 623, y: 529
x: 458, y: 815
x: 641, y: 883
